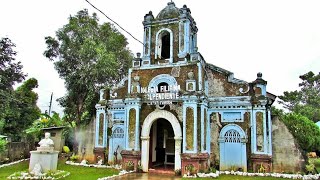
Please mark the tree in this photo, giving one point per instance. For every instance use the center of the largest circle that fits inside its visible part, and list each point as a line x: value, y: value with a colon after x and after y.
x: 88, y: 56
x: 305, y: 101
x: 304, y: 131
x: 10, y: 73
x: 23, y: 110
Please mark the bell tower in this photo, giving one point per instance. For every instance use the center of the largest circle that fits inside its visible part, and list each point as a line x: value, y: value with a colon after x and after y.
x: 170, y: 37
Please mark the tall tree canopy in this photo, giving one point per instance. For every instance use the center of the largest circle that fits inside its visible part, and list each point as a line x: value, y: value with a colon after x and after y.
x: 22, y: 111
x: 18, y: 107
x: 305, y: 101
x: 88, y: 56
x: 10, y: 73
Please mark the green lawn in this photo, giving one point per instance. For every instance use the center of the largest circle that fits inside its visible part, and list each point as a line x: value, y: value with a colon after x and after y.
x: 76, y: 172
x: 7, y: 171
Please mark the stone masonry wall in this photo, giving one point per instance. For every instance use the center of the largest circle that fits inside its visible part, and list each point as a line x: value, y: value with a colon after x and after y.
x: 287, y: 156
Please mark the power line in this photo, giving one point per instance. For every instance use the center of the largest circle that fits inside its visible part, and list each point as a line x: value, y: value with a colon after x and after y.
x: 114, y: 22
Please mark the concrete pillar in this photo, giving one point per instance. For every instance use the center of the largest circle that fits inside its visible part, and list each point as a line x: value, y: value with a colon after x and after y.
x: 177, y: 153
x: 145, y: 154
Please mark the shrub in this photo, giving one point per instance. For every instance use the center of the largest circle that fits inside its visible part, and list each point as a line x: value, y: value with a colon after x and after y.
x: 66, y: 149
x: 305, y: 131
x: 3, y: 144
x: 129, y: 166
x: 74, y: 158
x: 310, y: 168
x: 212, y: 169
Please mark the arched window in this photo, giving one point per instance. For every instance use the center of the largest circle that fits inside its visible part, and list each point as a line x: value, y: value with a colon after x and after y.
x: 118, y: 133
x: 165, y: 49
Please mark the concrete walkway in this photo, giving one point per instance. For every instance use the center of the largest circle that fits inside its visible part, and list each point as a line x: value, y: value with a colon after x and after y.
x: 147, y: 176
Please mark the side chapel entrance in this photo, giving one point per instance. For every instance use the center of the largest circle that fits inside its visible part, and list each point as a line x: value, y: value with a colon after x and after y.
x: 161, y: 140
x: 233, y: 154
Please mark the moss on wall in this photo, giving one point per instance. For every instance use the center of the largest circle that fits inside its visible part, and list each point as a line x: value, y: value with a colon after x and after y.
x: 199, y: 129
x: 146, y: 75
x: 132, y: 127
x: 205, y: 129
x: 122, y: 91
x: 259, y: 131
x: 189, y: 127
x: 101, y: 126
x: 145, y: 111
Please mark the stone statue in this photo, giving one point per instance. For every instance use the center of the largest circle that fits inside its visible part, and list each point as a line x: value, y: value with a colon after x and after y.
x: 46, y: 142
x: 37, y: 171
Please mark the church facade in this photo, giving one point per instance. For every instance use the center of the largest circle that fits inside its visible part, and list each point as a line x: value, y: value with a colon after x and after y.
x: 175, y: 109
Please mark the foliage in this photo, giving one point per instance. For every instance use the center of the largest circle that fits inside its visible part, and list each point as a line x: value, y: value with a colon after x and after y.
x: 22, y: 110
x: 10, y: 71
x: 66, y: 149
x: 88, y: 56
x: 305, y: 101
x: 45, y: 121
x: 3, y: 144
x: 129, y: 166
x: 304, y: 131
x: 11, y: 105
x: 277, y: 112
x: 74, y: 158
x: 310, y: 168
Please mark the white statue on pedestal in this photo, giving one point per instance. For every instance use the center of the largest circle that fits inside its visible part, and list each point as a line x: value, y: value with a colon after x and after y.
x: 46, y: 142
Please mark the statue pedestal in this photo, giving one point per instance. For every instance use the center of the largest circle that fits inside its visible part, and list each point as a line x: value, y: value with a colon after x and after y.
x: 47, y: 159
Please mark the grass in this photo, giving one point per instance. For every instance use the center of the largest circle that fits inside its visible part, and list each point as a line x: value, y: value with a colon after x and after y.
x: 7, y: 171
x: 76, y: 172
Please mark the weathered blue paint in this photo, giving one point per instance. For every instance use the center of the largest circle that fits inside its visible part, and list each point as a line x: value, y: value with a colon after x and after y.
x: 232, y: 142
x: 202, y: 95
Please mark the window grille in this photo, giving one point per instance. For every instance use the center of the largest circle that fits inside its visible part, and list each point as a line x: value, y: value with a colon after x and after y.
x: 232, y: 136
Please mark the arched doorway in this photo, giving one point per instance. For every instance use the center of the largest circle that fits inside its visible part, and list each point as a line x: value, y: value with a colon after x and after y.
x: 232, y: 142
x: 145, y: 137
x: 161, y: 154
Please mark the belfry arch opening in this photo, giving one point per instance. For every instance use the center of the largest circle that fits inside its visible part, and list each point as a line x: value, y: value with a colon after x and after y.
x: 165, y: 49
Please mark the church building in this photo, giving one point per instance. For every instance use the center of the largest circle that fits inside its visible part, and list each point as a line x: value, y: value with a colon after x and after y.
x: 174, y: 109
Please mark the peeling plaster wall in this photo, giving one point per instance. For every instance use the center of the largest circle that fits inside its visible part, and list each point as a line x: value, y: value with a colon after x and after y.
x: 214, y: 144
x: 287, y: 156
x: 219, y: 85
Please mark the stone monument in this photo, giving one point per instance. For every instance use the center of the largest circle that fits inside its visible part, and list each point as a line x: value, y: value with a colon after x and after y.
x: 45, y: 156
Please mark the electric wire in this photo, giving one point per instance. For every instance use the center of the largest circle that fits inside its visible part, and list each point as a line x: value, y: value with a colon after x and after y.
x: 114, y: 22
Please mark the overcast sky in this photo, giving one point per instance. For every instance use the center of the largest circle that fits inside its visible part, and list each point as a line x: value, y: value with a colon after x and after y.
x: 280, y: 38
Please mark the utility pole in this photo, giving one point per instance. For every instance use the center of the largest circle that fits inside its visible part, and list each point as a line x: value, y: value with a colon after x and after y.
x: 50, y: 104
